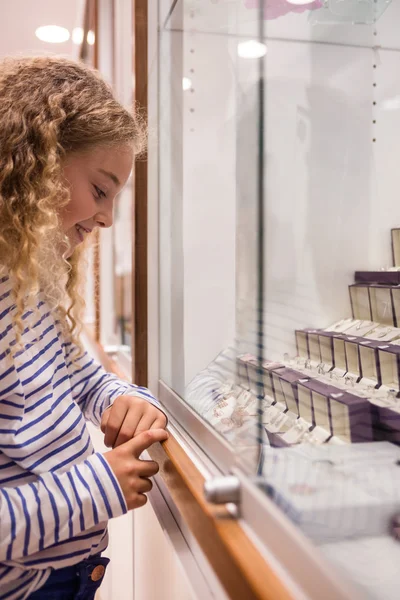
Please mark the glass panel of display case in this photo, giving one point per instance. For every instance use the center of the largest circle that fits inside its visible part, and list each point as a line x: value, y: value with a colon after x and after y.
x: 210, y: 279
x: 330, y: 304
x: 122, y: 266
x: 279, y: 301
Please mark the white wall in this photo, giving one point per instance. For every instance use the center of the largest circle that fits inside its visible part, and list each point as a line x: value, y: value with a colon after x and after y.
x: 158, y: 573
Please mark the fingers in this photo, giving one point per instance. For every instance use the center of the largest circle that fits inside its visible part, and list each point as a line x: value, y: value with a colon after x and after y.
x: 128, y: 427
x: 146, y: 439
x: 128, y: 417
x: 144, y: 485
x: 104, y: 419
x: 145, y: 423
x: 147, y: 468
x: 159, y: 423
x: 140, y: 500
x: 115, y: 420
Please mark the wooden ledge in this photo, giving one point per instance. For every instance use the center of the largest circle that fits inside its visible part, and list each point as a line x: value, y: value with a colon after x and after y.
x: 236, y: 561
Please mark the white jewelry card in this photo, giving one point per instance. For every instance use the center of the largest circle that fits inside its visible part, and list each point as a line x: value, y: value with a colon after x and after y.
x: 362, y: 329
x: 313, y: 348
x: 291, y: 419
x: 381, y: 305
x: 266, y: 402
x: 278, y: 392
x: 321, y: 411
x: 290, y: 399
x: 396, y: 246
x: 222, y: 410
x: 248, y: 402
x: 318, y: 436
x: 282, y: 423
x: 352, y: 359
x: 339, y: 354
x: 267, y: 368
x: 271, y: 414
x: 389, y: 366
x: 326, y: 350
x: 384, y: 333
x: 301, y: 343
x: 340, y: 417
x: 360, y: 302
x: 396, y: 303
x: 294, y: 435
x: 342, y: 325
x: 305, y: 403
x: 267, y: 383
x: 368, y: 359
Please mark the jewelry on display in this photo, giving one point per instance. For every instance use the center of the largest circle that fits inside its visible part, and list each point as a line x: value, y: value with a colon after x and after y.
x: 301, y: 426
x: 349, y: 380
x: 385, y: 332
x: 307, y: 364
x: 363, y: 324
x: 391, y: 396
x: 339, y: 324
x: 321, y: 368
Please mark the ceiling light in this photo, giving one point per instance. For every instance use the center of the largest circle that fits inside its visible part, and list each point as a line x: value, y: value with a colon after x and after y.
x: 90, y: 37
x: 251, y: 49
x: 186, y: 83
x: 52, y: 34
x: 299, y: 2
x: 77, y: 35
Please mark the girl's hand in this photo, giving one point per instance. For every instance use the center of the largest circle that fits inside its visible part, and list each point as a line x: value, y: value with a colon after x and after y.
x: 127, y: 417
x: 133, y: 474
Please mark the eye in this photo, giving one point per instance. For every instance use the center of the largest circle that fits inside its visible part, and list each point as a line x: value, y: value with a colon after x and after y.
x: 99, y: 192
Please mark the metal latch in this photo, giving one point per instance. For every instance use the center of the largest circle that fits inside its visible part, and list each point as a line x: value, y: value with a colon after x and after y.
x: 222, y: 490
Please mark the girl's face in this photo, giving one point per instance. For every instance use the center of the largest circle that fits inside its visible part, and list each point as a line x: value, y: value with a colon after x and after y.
x: 94, y: 179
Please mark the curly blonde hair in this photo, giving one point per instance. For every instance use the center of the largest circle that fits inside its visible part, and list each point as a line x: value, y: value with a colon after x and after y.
x: 50, y: 107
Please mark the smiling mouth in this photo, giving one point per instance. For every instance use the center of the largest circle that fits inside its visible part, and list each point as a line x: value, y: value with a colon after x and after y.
x: 82, y: 231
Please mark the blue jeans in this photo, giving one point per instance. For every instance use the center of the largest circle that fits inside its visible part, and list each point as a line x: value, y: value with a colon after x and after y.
x: 79, y: 582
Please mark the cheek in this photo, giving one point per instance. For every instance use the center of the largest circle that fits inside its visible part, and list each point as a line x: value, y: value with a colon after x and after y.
x: 81, y: 207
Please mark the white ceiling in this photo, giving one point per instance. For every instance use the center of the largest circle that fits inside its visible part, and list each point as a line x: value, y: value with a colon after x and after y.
x: 19, y: 20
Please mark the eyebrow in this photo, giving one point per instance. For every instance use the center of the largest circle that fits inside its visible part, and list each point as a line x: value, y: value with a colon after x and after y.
x: 113, y: 177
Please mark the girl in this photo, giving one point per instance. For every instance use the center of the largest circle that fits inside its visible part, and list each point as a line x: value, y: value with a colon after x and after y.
x: 66, y: 150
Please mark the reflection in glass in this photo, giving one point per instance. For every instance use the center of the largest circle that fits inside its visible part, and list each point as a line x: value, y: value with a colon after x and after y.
x: 295, y: 349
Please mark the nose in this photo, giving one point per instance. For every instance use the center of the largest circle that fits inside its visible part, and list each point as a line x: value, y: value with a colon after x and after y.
x: 105, y: 219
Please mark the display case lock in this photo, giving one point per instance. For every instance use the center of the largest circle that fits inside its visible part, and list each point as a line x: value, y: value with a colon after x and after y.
x: 222, y: 490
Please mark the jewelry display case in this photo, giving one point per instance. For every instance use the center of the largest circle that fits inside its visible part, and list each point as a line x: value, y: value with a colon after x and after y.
x: 278, y: 325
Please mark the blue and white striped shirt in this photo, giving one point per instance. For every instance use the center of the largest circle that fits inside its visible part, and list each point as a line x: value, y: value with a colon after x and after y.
x: 56, y: 493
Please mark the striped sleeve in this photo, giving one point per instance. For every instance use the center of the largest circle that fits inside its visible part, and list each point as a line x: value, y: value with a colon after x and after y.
x: 94, y: 389
x: 51, y: 510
